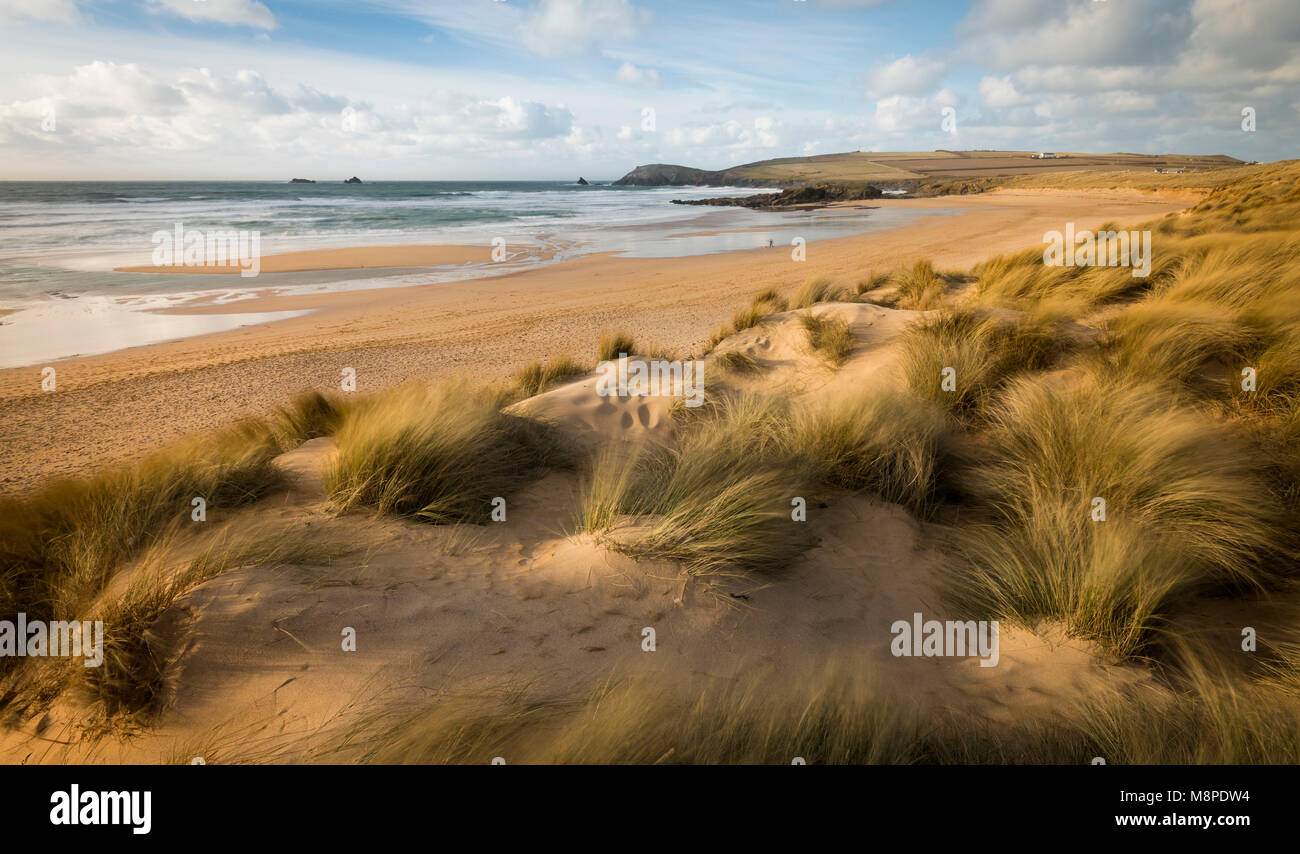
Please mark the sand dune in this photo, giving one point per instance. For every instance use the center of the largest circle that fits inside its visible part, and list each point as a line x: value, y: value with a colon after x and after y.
x: 257, y: 672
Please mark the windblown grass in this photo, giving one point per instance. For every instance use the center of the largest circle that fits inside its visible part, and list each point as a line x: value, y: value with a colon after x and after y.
x: 132, y: 681
x: 1186, y: 503
x: 60, y: 545
x: 829, y: 336
x: 309, y: 415
x: 535, y: 378
x: 719, y: 502
x: 919, y: 287
x: 833, y: 720
x: 439, y: 453
x: 1176, y: 342
x: 129, y: 688
x: 814, y: 290
x: 764, y: 304
x: 872, y: 282
x: 737, y: 362
x: 1209, y: 715
x: 614, y: 344
x: 982, y: 352
x: 878, y: 441
x: 837, y: 717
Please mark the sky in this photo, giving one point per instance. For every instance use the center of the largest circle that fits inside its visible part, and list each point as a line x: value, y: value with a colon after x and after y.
x: 554, y: 89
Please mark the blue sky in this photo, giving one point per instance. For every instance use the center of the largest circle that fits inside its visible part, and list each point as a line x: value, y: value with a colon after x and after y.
x: 476, y: 89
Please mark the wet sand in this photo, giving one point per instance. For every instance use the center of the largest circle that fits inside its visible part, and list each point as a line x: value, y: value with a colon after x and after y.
x: 347, y: 258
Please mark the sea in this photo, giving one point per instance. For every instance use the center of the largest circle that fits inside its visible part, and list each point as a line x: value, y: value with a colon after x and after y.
x: 60, y: 242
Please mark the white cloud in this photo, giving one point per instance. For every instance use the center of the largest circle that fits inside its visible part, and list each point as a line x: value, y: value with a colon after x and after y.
x: 1138, y: 75
x: 633, y: 76
x: 1007, y: 34
x: 901, y: 114
x: 735, y: 137
x: 105, y: 111
x: 1000, y: 92
x: 908, y: 75
x: 244, y: 13
x: 59, y: 11
x: 569, y: 27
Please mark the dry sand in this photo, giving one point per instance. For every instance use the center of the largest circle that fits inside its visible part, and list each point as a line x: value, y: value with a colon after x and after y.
x: 117, y: 405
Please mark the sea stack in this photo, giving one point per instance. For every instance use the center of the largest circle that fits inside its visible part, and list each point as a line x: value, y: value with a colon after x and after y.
x: 301, y: 181
x: 582, y: 182
x: 353, y: 180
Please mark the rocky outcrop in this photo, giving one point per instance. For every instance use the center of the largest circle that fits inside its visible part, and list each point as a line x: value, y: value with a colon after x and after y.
x: 353, y: 180
x: 817, y: 194
x: 301, y: 181
x: 582, y: 182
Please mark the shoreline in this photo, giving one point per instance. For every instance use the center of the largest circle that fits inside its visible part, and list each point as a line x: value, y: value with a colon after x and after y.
x: 117, y: 405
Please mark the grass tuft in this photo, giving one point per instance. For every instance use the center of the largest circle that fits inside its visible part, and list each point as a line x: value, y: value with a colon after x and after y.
x: 535, y: 378
x: 883, y: 442
x: 814, y: 290
x: 718, y: 502
x: 439, y: 453
x: 614, y: 344
x: 829, y: 336
x: 1187, y: 509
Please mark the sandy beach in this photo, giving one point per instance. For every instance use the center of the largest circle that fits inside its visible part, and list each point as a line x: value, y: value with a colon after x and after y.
x: 117, y: 405
x: 348, y: 258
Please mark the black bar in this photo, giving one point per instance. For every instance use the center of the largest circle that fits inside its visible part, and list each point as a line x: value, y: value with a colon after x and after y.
x: 334, y: 804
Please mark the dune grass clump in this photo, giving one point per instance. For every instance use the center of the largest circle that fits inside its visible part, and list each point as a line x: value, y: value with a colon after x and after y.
x: 130, y: 685
x: 614, y: 344
x: 737, y: 362
x: 718, y: 502
x: 1232, y: 304
x: 829, y: 336
x: 764, y: 304
x: 919, y: 287
x: 535, y: 377
x: 439, y: 453
x: 832, y: 719
x: 309, y: 415
x: 871, y: 283
x: 814, y: 290
x: 1204, y: 716
x: 1186, y: 509
x: 959, y: 358
x: 1178, y: 341
x: 1022, y: 280
x: 60, y: 545
x: 1209, y: 714
x: 884, y: 442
